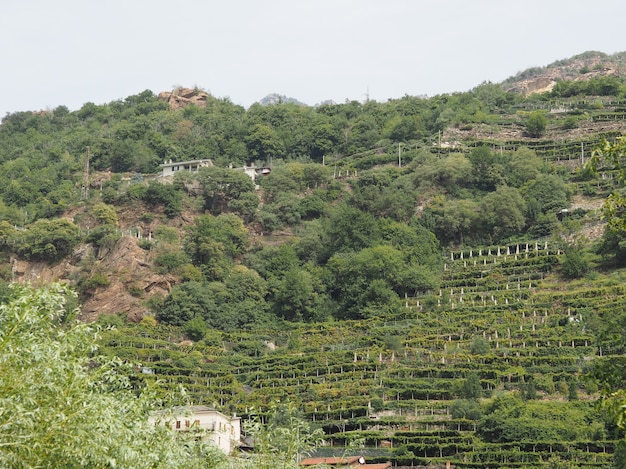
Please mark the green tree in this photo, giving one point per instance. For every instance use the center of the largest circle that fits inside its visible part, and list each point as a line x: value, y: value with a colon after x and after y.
x: 612, y: 155
x: 350, y: 229
x: 574, y: 264
x: 451, y: 173
x: 487, y: 168
x: 104, y: 214
x: 164, y: 194
x: 545, y: 194
x: 298, y: 296
x: 264, y: 143
x: 63, y: 406
x: 223, y: 187
x: 452, y: 220
x: 523, y: 166
x: 196, y: 328
x: 502, y: 213
x: 466, y: 409
x: 49, y: 240
x: 214, y: 241
x: 187, y: 302
x: 283, y: 440
x: 471, y: 387
x: 536, y: 124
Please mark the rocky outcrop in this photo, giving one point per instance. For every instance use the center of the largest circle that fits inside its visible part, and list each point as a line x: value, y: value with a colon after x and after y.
x: 581, y: 67
x: 130, y: 280
x: 181, y: 97
x: 542, y: 84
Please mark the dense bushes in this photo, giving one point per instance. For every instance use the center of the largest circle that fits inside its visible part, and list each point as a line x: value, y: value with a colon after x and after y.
x: 48, y: 240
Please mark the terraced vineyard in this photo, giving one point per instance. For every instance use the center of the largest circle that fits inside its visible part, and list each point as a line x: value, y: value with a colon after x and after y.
x: 391, y: 384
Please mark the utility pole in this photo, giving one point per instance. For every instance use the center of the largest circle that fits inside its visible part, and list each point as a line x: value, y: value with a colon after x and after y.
x: 582, y: 153
x: 84, y: 195
x: 439, y: 147
x: 399, y: 155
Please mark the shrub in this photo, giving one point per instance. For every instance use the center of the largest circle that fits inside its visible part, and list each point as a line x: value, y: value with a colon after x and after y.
x: 49, y: 240
x: 195, y: 329
x: 574, y: 265
x: 170, y: 261
x: 536, y: 124
x: 569, y: 123
x: 104, y: 236
x: 479, y: 346
x: 105, y: 214
x: 466, y: 409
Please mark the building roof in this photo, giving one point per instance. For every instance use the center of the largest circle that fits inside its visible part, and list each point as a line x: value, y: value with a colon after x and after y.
x: 178, y: 163
x: 202, y: 409
x: 350, y: 461
x: 329, y: 461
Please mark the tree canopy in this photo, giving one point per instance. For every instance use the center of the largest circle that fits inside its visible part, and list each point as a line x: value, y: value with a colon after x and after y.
x: 64, y: 406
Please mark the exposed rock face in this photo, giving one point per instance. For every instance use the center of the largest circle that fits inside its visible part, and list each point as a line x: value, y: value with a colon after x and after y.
x: 181, y: 97
x: 127, y: 269
x: 581, y: 67
x: 542, y: 84
x: 275, y: 98
x: 132, y: 281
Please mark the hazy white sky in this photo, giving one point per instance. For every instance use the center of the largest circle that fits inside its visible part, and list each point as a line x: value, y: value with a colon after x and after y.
x: 69, y: 52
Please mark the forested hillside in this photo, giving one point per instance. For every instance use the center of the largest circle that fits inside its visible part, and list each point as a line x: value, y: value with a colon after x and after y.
x: 427, y: 279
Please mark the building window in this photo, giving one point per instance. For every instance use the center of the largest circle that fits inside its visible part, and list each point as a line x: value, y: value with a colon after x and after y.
x: 178, y: 424
x: 187, y: 423
x: 196, y: 423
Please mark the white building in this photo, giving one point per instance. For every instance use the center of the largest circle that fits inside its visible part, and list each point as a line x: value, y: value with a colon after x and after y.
x: 170, y: 168
x: 253, y: 171
x: 223, y: 431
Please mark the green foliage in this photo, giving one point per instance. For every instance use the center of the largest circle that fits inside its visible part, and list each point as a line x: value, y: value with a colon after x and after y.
x: 195, y: 328
x: 166, y: 195
x: 188, y: 301
x: 104, y: 236
x: 299, y: 296
x: 448, y: 172
x: 350, y: 229
x: 392, y: 342
x: 595, y: 86
x: 574, y: 264
x: 48, y: 240
x: 228, y: 189
x: 546, y: 193
x: 171, y: 261
x: 523, y: 166
x: 88, y: 284
x: 283, y: 440
x: 508, y: 418
x: 471, y: 387
x: 487, y: 168
x: 502, y: 213
x: 104, y: 214
x: 466, y: 409
x: 570, y: 122
x: 294, y: 177
x: 536, y: 124
x: 453, y: 221
x: 63, y: 407
x: 238, y: 301
x: 166, y: 234
x: 349, y: 248
x: 213, y: 241
x: 480, y: 346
